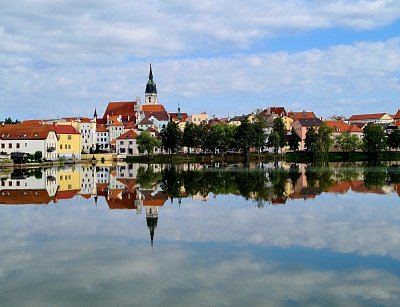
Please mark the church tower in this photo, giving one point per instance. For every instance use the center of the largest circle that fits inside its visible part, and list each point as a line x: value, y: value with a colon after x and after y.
x: 150, y: 96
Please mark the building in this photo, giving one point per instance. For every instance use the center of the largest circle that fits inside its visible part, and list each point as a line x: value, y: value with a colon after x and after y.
x: 197, y: 119
x: 29, y: 139
x: 69, y: 142
x: 375, y: 118
x: 102, y: 137
x: 126, y: 144
x: 339, y: 127
x: 302, y: 125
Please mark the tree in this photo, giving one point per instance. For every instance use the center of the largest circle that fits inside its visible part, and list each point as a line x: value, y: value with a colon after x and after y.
x: 311, y: 138
x: 38, y: 155
x: 274, y: 141
x: 348, y: 142
x: 393, y: 139
x: 294, y: 140
x: 191, y: 136
x: 245, y: 136
x: 279, y: 127
x: 171, y: 137
x: 325, y: 138
x: 374, y: 139
x: 146, y: 143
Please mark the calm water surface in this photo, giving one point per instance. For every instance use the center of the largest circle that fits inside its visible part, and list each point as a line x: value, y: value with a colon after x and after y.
x: 192, y: 235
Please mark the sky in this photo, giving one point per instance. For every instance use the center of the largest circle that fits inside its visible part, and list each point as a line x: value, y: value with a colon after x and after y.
x: 228, y: 57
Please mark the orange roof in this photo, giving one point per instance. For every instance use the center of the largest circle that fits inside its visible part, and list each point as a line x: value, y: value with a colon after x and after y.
x: 25, y: 132
x: 32, y: 121
x: 24, y: 197
x: 338, y: 125
x: 130, y: 125
x: 354, y: 128
x: 66, y: 194
x: 66, y: 129
x: 367, y: 116
x: 130, y: 134
x: 298, y: 115
x: 397, y: 115
x: 101, y: 128
x: 153, y: 108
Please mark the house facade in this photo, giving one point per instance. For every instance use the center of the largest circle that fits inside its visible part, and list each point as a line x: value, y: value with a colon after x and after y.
x: 29, y: 139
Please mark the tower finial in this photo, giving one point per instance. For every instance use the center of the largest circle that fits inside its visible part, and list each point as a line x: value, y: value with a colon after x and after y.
x: 151, y: 73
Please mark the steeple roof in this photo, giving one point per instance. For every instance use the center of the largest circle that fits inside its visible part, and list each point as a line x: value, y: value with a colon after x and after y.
x: 151, y: 87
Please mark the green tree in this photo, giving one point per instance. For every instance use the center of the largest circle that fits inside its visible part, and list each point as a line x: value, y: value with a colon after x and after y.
x: 38, y: 155
x: 245, y: 137
x: 171, y: 137
x: 374, y: 139
x: 393, y: 139
x: 348, y: 142
x: 311, y: 138
x: 294, y: 140
x: 279, y: 127
x: 191, y: 136
x: 274, y: 141
x: 146, y: 143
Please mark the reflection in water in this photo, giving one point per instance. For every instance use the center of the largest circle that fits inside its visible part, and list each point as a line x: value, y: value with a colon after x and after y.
x: 210, y: 247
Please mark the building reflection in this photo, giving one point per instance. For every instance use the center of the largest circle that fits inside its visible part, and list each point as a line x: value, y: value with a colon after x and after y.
x: 146, y: 188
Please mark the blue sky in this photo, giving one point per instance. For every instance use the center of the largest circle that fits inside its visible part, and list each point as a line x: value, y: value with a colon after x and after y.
x: 64, y: 58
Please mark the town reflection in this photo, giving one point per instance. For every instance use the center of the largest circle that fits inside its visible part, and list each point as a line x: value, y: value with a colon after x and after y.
x: 147, y: 187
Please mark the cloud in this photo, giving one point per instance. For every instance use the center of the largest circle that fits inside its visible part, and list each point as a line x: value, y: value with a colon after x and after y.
x: 62, y: 58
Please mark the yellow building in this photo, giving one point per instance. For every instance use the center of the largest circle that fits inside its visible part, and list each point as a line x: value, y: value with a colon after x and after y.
x: 69, y: 180
x: 69, y: 142
x: 197, y: 119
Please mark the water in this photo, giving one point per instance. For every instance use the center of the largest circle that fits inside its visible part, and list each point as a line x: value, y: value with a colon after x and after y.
x: 131, y: 235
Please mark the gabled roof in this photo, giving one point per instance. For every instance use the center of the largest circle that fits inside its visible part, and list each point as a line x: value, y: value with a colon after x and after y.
x: 310, y: 122
x: 303, y: 114
x: 130, y: 134
x: 130, y: 125
x: 65, y: 129
x: 367, y: 116
x: 123, y: 108
x: 397, y: 115
x: 354, y: 128
x: 25, y: 132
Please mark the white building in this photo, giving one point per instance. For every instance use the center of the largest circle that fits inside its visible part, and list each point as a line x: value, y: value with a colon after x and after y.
x: 29, y: 139
x: 126, y: 144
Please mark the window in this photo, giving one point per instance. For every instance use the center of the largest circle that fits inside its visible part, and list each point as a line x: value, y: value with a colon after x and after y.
x: 18, y: 183
x: 3, y: 145
x: 26, y: 144
x: 60, y: 146
x: 10, y: 145
x: 18, y: 145
x: 69, y: 137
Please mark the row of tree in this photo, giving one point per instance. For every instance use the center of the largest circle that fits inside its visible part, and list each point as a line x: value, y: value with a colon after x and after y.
x: 224, y: 138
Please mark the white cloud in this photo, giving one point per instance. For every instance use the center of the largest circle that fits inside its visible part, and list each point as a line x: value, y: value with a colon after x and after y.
x: 64, y: 58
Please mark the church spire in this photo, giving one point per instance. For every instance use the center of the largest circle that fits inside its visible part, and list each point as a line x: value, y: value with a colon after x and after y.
x: 150, y: 95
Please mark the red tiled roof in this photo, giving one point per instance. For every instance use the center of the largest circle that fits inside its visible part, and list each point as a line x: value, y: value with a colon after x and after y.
x: 78, y: 119
x: 123, y: 108
x: 338, y: 125
x: 130, y: 125
x: 153, y: 108
x: 397, y: 115
x: 66, y: 194
x: 367, y: 116
x: 65, y: 129
x: 25, y: 132
x: 146, y: 121
x: 354, y: 128
x: 24, y: 197
x: 101, y: 128
x: 298, y: 115
x: 130, y: 134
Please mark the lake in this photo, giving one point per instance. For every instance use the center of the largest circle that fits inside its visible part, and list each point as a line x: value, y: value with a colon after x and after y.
x: 226, y: 235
